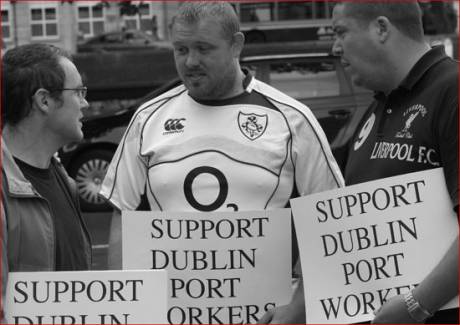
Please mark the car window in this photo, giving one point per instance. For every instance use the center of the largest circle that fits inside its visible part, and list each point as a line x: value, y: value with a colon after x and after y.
x: 302, y: 78
x: 112, y: 38
x: 305, y: 79
x: 320, y: 83
x: 136, y: 38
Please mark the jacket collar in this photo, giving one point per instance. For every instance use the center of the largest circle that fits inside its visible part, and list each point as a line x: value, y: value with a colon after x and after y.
x: 16, y: 183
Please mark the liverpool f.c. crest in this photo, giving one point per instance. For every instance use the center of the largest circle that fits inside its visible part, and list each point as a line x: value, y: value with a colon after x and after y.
x: 252, y: 125
x: 411, y: 114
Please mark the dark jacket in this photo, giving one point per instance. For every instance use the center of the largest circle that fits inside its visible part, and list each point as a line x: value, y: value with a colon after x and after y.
x: 27, y: 228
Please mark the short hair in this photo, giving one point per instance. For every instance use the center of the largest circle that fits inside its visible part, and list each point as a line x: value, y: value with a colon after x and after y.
x: 26, y: 69
x: 406, y: 16
x: 191, y: 12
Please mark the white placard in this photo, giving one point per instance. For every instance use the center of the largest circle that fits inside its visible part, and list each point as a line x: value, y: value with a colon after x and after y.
x: 223, y: 267
x: 365, y: 243
x: 86, y: 297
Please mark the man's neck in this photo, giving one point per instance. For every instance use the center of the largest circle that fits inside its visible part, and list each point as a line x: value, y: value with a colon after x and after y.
x: 405, y: 59
x: 238, y: 87
x: 29, y: 145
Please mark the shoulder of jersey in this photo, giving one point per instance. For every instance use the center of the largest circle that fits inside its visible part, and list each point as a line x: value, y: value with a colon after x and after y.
x: 163, y: 97
x: 145, y: 109
x: 277, y: 97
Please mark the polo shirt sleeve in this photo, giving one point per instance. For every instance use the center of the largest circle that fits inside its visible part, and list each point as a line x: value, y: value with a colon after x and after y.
x: 447, y: 135
x: 126, y: 176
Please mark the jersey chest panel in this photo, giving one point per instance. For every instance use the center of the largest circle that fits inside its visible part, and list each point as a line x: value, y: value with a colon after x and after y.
x: 204, y: 158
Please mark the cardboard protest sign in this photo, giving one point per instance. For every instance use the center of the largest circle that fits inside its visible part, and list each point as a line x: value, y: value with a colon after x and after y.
x: 86, y: 297
x: 223, y: 267
x: 365, y: 243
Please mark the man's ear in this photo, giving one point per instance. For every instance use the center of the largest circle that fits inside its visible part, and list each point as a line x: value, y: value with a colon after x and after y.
x: 383, y: 27
x: 41, y: 100
x: 237, y: 44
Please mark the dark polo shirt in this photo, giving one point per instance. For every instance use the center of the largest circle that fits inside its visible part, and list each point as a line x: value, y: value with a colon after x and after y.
x: 412, y: 129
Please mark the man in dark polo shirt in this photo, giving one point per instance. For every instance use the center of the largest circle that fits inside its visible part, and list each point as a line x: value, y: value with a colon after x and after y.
x: 411, y: 126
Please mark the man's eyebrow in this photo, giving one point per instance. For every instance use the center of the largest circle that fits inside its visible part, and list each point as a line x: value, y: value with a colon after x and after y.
x: 201, y: 43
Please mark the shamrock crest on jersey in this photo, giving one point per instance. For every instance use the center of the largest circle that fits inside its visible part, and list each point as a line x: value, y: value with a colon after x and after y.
x: 252, y: 125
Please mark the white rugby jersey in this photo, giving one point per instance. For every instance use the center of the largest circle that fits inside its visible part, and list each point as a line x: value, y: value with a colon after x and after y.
x: 250, y: 152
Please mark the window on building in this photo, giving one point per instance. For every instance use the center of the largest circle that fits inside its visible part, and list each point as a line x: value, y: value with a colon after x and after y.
x: 277, y: 11
x: 90, y: 19
x: 141, y: 20
x: 44, y: 21
x: 6, y: 24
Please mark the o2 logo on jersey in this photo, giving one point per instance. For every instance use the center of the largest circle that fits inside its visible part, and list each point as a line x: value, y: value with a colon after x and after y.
x: 365, y: 131
x: 223, y: 189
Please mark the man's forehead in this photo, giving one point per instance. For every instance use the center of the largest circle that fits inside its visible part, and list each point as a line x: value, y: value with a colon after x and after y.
x: 72, y: 76
x: 338, y: 12
x: 205, y: 23
x: 201, y: 31
x: 340, y: 17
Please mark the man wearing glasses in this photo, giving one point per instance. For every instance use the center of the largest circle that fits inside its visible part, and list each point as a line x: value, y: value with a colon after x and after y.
x: 42, y: 228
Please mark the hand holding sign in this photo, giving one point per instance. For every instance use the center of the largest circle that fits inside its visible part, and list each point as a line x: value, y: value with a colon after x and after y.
x: 363, y: 243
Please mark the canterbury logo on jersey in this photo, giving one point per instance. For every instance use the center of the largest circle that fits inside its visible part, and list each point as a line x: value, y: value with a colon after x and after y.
x: 174, y: 125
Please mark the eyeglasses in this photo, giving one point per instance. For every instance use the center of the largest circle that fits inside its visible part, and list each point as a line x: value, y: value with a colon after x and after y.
x: 81, y: 91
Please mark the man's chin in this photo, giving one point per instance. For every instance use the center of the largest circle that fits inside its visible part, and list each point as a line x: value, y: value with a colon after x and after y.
x: 78, y: 137
x: 358, y: 82
x: 198, y: 92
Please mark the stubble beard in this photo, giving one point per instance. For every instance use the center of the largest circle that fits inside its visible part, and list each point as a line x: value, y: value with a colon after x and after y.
x: 213, y: 89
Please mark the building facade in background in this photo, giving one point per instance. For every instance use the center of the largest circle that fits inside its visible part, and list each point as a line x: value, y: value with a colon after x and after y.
x: 64, y: 23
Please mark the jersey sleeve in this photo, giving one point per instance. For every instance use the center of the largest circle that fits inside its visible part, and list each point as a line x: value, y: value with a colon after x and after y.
x: 125, y: 180
x: 315, y: 167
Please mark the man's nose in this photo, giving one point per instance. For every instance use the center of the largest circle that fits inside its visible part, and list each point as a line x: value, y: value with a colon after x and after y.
x: 337, y: 48
x: 84, y: 103
x: 193, y: 59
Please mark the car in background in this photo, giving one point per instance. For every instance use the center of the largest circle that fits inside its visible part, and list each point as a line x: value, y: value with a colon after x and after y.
x: 306, y: 71
x: 121, y: 40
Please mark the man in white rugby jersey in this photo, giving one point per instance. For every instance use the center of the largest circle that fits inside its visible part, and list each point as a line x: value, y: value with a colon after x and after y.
x: 222, y: 140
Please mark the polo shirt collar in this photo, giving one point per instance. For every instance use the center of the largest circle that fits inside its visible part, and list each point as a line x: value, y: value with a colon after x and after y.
x: 429, y: 59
